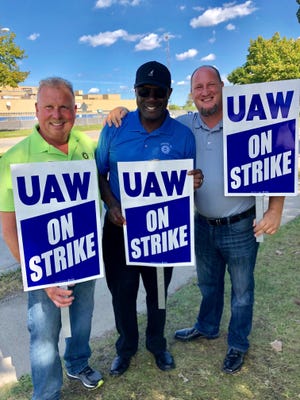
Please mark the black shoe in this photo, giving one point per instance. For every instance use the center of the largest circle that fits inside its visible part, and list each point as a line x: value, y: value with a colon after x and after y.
x: 119, y: 365
x: 233, y: 362
x: 164, y: 361
x: 88, y: 377
x: 190, y: 334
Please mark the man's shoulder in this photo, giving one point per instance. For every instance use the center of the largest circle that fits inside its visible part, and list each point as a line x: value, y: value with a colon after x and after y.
x: 180, y: 122
x: 187, y: 116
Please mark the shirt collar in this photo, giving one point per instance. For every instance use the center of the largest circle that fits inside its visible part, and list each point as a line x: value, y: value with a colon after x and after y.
x: 136, y: 125
x: 40, y: 145
x: 199, y: 123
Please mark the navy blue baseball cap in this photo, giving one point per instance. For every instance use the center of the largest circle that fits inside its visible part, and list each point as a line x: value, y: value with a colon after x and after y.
x: 153, y: 73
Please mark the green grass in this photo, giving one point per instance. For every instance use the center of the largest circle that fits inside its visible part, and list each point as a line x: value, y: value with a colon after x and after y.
x: 266, y: 375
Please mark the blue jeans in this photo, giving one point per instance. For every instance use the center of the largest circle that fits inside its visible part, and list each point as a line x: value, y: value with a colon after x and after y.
x: 234, y: 246
x: 44, y: 325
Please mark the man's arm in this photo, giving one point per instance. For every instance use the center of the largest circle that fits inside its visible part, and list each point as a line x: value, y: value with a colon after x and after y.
x: 9, y: 231
x: 272, y: 217
x: 60, y: 297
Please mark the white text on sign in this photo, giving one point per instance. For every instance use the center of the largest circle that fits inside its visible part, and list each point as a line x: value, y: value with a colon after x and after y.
x: 264, y: 169
x: 161, y: 242
x: 65, y: 256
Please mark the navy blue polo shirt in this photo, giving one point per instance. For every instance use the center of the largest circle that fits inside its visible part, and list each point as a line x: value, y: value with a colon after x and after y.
x: 131, y: 142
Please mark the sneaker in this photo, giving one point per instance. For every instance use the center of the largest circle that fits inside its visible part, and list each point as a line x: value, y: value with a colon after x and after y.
x: 88, y: 377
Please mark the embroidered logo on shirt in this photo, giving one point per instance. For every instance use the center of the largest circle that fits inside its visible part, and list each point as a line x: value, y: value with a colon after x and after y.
x: 165, y: 148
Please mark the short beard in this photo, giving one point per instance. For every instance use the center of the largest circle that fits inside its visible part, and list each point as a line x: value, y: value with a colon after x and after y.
x: 206, y: 112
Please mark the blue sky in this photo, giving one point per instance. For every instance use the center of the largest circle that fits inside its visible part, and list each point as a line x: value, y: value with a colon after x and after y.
x: 99, y: 44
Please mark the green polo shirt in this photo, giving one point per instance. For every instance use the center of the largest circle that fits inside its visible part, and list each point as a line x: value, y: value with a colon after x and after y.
x: 35, y: 149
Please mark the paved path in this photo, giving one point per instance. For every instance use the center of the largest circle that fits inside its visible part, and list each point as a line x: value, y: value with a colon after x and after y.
x: 14, y: 338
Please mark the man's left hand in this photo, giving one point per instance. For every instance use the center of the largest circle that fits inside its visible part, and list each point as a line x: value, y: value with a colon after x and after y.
x: 198, y: 178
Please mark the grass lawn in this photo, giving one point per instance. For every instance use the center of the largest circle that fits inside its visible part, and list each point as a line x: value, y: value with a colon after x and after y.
x: 26, y: 132
x: 267, y: 374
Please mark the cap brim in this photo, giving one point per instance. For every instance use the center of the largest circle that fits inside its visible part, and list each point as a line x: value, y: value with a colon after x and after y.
x: 153, y: 83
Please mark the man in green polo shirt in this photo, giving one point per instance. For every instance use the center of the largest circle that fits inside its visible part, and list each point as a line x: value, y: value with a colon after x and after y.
x: 52, y: 139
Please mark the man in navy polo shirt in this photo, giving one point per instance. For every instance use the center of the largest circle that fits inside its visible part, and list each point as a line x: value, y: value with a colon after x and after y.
x: 146, y: 134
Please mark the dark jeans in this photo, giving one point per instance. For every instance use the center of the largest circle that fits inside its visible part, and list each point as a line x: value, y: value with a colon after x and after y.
x: 217, y: 247
x: 123, y: 283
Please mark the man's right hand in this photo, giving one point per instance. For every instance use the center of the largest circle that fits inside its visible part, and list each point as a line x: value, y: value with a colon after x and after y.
x: 60, y: 297
x: 115, y: 216
x: 115, y: 117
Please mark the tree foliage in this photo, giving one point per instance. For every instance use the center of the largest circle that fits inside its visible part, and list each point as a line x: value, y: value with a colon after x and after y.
x: 269, y: 60
x: 298, y: 12
x: 10, y: 53
x: 189, y: 105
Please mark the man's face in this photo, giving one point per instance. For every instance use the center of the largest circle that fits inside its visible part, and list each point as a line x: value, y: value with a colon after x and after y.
x: 152, y: 101
x: 56, y: 112
x: 207, y: 92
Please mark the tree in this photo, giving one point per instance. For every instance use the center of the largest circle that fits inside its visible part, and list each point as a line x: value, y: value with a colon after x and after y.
x: 269, y: 60
x: 298, y: 12
x: 10, y: 75
x: 189, y: 105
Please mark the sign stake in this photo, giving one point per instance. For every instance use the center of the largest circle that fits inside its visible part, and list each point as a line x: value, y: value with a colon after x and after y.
x: 160, y: 276
x: 65, y: 319
x: 259, y: 207
x: 65, y: 322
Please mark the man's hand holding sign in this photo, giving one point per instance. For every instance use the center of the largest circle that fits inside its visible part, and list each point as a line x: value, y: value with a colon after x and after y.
x: 60, y: 296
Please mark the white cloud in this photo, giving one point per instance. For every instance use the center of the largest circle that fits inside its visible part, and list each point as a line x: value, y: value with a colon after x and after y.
x: 191, y: 53
x: 182, y: 8
x: 230, y: 27
x: 108, y: 38
x: 94, y: 90
x: 182, y: 83
x: 103, y: 3
x: 209, y: 57
x: 33, y: 36
x: 217, y: 15
x: 213, y: 38
x: 109, y: 3
x: 146, y: 41
x: 149, y: 42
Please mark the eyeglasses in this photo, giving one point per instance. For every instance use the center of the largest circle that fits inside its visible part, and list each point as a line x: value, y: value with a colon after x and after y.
x: 157, y: 93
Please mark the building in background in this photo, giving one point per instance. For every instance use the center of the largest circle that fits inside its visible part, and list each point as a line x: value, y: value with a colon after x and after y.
x: 17, y: 110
